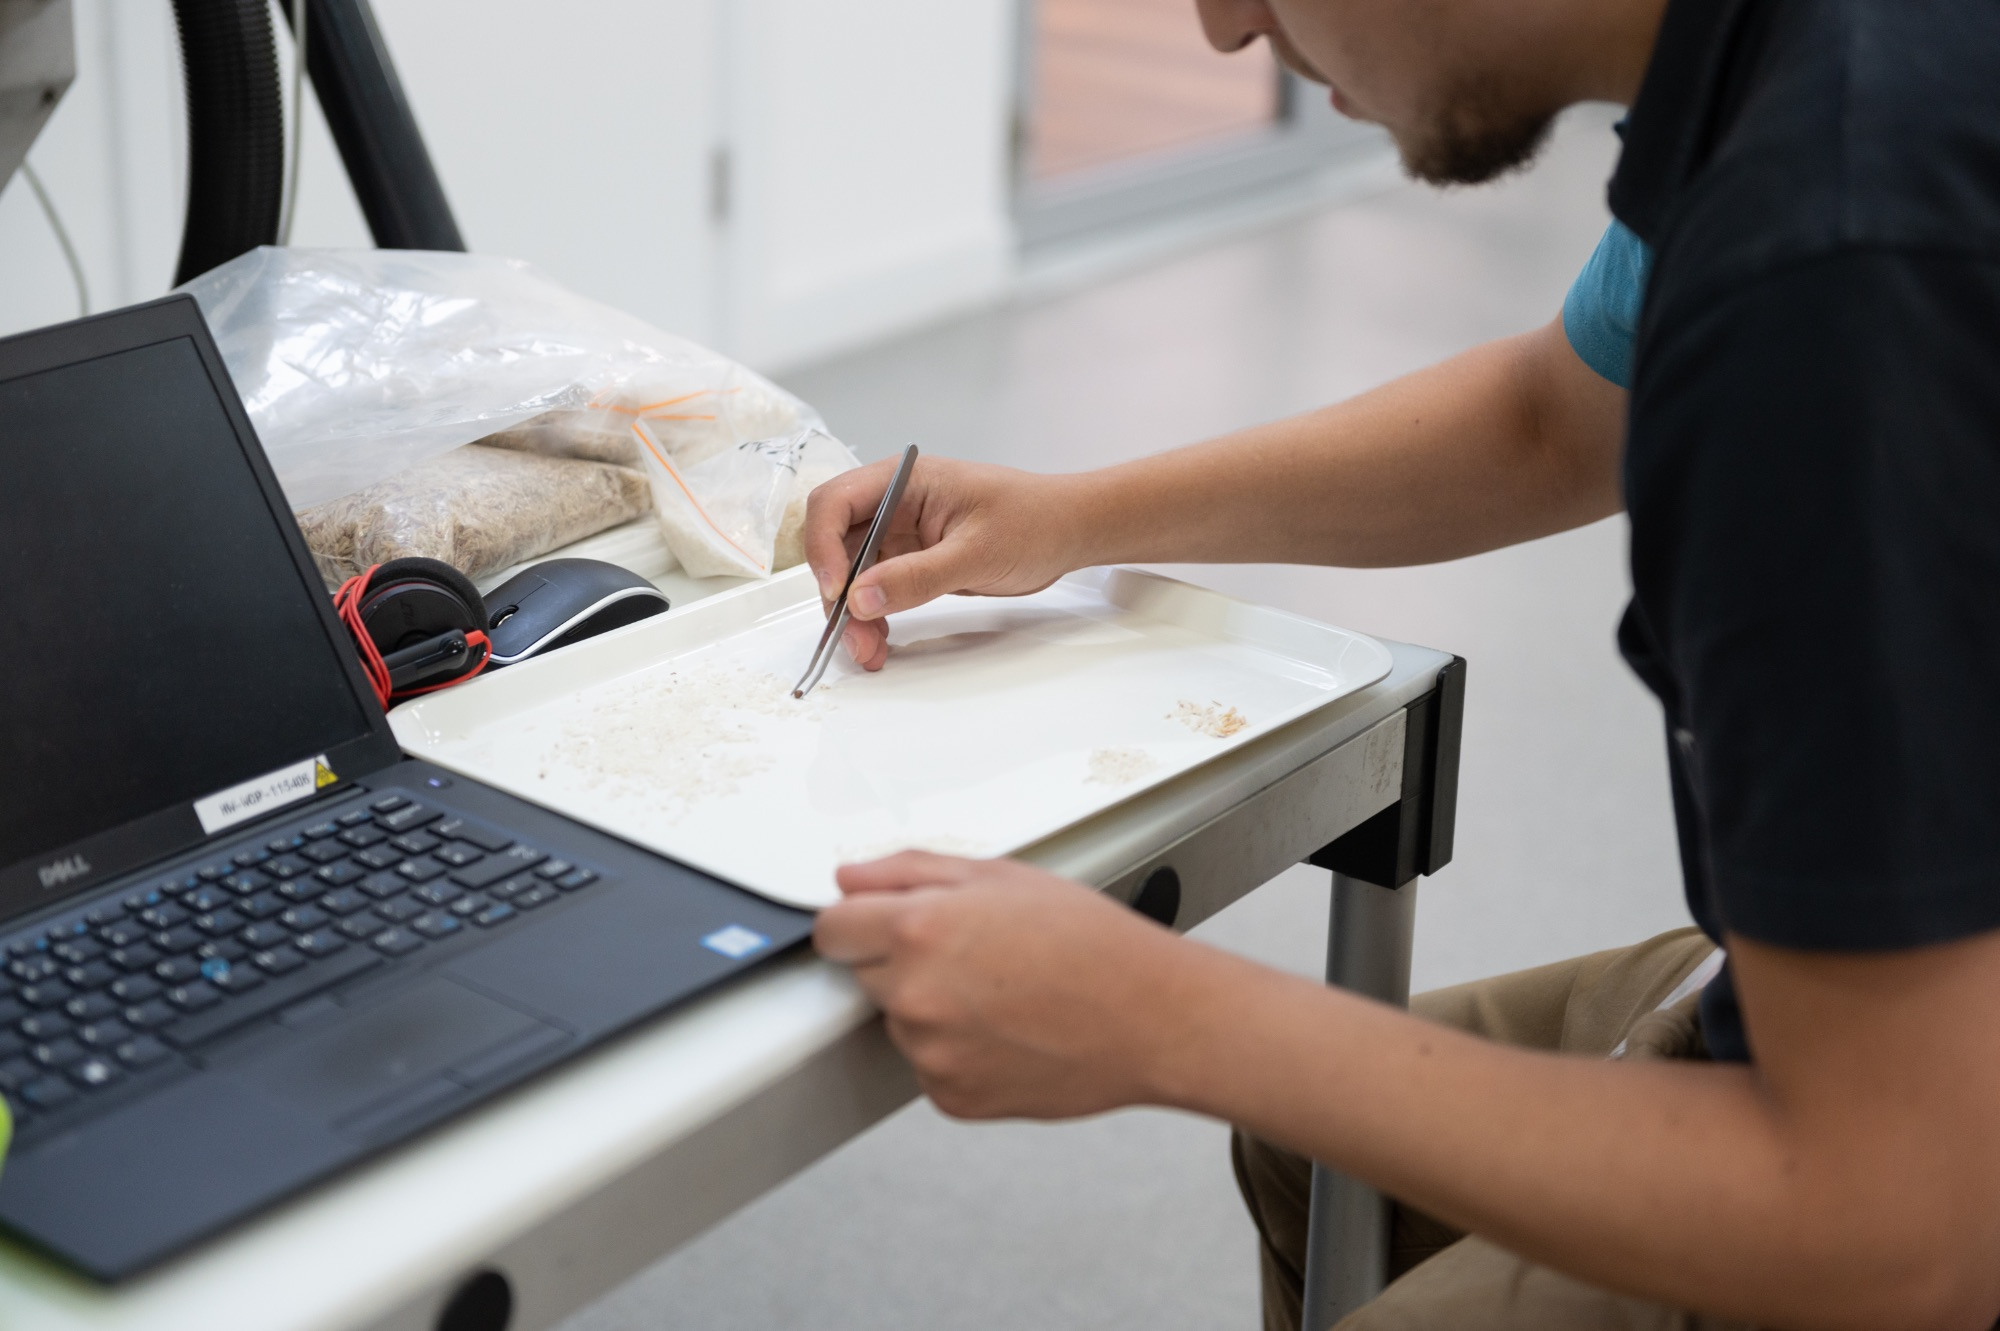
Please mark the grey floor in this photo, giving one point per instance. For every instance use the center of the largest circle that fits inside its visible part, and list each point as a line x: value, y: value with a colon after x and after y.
x: 1564, y: 843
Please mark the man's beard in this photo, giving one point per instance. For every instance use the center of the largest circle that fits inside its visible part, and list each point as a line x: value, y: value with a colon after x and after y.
x: 1474, y: 136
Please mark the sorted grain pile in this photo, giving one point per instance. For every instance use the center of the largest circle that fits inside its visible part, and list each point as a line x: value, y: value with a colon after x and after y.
x: 1212, y: 719
x: 1119, y: 767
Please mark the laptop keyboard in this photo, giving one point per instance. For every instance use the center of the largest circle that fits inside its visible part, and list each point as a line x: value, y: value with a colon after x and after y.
x: 118, y: 989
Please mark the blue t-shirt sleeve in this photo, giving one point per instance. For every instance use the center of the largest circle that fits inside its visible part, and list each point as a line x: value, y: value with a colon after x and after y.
x: 1601, y: 312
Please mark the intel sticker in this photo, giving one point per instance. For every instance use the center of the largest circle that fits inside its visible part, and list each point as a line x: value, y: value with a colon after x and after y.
x: 735, y: 942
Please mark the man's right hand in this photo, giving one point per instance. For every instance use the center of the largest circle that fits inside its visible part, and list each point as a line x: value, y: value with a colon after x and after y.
x: 961, y: 527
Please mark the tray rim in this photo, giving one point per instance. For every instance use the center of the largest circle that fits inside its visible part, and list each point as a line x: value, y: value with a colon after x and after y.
x: 417, y: 711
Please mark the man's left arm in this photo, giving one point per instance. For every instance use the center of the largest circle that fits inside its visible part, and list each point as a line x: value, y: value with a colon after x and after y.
x: 1850, y: 1179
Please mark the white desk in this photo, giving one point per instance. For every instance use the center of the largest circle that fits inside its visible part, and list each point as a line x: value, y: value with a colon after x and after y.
x: 579, y: 1180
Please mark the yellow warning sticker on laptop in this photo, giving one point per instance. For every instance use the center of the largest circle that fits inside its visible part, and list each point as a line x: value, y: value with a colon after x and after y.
x: 260, y: 795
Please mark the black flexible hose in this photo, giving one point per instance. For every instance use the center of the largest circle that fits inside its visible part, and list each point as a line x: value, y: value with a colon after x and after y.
x: 236, y: 131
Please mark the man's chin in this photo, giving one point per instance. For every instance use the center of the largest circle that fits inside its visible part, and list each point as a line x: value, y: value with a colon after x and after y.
x: 1473, y: 150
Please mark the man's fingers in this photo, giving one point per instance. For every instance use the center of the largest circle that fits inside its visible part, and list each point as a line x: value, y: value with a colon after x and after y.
x: 832, y: 510
x: 905, y: 871
x: 908, y: 581
x: 867, y: 642
x: 858, y: 931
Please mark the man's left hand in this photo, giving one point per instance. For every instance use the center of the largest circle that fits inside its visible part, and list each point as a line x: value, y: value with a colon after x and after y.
x: 1013, y: 992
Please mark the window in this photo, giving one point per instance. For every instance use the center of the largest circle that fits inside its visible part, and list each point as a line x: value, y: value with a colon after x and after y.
x: 1126, y: 116
x: 1116, y: 80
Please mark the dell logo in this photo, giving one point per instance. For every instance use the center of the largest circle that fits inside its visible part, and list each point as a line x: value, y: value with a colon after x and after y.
x: 64, y: 871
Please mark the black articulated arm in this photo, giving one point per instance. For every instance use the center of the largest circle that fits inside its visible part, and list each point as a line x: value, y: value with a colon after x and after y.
x: 372, y: 125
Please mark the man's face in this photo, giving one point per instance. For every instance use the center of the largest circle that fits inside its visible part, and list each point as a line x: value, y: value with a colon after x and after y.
x: 1458, y: 117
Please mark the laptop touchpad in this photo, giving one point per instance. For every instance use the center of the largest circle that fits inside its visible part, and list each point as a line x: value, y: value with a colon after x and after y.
x: 426, y: 1030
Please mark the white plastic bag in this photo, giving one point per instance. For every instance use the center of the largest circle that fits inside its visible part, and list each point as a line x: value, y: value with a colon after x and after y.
x: 355, y: 364
x: 739, y: 512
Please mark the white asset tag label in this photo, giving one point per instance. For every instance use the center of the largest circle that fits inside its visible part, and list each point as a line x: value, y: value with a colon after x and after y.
x: 275, y: 790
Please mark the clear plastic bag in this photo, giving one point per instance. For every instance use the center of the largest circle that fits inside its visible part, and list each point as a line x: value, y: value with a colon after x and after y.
x: 739, y: 511
x: 356, y: 364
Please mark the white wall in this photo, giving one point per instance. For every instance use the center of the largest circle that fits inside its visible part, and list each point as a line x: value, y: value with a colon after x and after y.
x: 575, y: 136
x: 867, y: 147
x: 870, y: 144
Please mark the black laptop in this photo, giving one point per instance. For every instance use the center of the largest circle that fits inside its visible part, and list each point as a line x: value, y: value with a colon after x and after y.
x: 244, y: 942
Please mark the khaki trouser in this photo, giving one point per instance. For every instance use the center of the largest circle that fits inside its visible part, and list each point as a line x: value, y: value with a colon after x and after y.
x: 1442, y: 1279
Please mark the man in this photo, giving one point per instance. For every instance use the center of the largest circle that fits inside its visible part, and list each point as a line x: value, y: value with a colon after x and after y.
x: 1809, y: 205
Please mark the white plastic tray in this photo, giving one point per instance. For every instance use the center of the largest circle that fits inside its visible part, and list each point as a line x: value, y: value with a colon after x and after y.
x: 995, y: 723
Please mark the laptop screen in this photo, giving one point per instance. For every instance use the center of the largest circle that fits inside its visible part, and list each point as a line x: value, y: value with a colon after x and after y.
x: 164, y: 652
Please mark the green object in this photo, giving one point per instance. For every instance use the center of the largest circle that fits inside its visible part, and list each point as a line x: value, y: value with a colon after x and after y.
x: 6, y: 1129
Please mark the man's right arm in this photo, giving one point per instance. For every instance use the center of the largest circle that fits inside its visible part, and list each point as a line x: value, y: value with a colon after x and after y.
x: 1512, y: 440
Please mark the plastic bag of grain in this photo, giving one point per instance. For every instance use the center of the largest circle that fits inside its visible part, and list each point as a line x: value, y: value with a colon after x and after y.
x: 739, y: 511
x: 356, y: 364
x: 478, y: 509
x: 691, y: 423
x: 364, y: 369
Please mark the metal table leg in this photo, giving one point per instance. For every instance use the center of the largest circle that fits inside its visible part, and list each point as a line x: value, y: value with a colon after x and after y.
x: 1347, y: 1239
x: 1368, y: 951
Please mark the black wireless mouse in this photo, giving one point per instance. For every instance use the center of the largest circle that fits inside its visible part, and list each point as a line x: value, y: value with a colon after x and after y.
x: 560, y: 601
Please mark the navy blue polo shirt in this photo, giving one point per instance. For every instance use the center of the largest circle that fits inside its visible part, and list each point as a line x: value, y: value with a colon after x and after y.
x: 1812, y: 465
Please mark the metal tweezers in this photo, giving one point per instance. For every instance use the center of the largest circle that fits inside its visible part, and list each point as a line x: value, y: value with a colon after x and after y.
x: 836, y: 620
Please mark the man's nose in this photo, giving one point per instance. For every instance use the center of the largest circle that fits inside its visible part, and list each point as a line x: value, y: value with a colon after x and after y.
x: 1231, y: 25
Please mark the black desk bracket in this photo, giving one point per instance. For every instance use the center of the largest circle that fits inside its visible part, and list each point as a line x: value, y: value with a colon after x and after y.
x: 1414, y: 835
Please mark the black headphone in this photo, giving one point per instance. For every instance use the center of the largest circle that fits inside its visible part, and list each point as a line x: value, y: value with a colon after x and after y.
x: 419, y: 624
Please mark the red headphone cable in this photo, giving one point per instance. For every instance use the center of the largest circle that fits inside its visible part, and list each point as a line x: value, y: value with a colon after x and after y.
x: 347, y: 601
